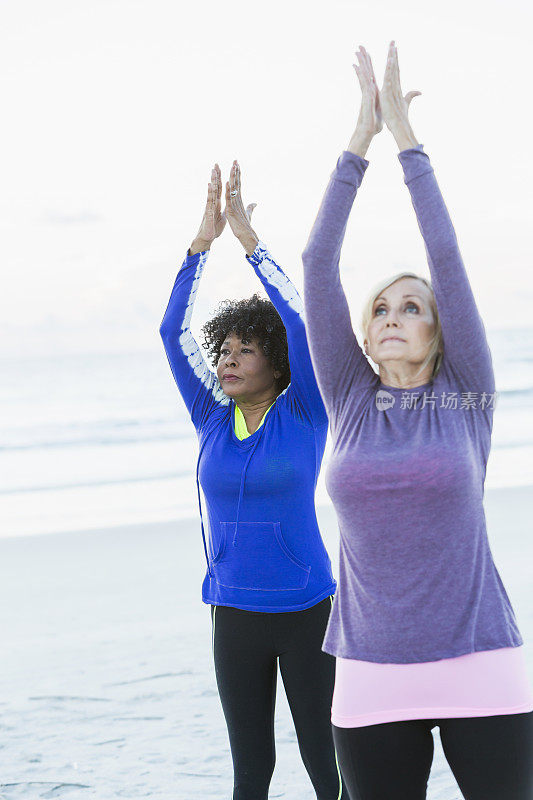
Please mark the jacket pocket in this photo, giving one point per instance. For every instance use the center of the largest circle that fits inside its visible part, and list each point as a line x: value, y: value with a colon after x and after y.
x: 257, y: 559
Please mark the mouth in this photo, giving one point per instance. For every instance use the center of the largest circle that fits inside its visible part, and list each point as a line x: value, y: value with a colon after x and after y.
x: 392, y: 339
x: 230, y: 378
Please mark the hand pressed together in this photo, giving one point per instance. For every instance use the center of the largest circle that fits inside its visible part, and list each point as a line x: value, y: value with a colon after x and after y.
x: 214, y: 219
x: 238, y: 217
x: 387, y: 106
x: 394, y: 106
x: 370, y: 117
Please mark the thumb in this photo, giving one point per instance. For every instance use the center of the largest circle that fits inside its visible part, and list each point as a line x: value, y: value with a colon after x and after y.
x: 249, y: 210
x: 409, y: 96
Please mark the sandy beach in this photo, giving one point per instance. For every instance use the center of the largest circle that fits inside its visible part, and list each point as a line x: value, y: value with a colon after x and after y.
x: 107, y: 683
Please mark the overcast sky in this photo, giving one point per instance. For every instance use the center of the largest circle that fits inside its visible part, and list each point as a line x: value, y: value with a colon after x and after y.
x: 115, y: 110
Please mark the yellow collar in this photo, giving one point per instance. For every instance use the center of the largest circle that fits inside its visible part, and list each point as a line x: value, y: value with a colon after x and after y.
x: 241, y: 431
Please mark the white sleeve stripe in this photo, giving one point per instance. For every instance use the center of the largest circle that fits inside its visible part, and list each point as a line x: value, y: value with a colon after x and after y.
x: 190, y: 348
x: 274, y: 275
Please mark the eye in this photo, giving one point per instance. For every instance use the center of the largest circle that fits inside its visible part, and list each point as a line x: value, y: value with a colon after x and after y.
x: 243, y: 350
x: 412, y: 305
x: 379, y: 308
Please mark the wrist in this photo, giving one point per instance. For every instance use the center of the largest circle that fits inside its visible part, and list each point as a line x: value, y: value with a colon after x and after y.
x: 249, y: 241
x: 199, y: 245
x: 360, y: 142
x: 403, y: 134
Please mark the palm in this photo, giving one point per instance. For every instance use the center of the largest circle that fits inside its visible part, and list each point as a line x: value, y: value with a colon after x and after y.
x: 213, y: 221
x: 238, y: 216
x: 393, y: 104
x: 370, y: 115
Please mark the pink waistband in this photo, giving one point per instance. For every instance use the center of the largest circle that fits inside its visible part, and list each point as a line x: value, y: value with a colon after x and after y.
x: 474, y: 685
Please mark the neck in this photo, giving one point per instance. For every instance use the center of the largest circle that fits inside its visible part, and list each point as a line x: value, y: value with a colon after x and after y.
x: 404, y: 376
x: 253, y: 407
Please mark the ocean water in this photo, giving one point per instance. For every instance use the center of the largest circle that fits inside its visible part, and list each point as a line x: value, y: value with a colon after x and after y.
x: 92, y: 440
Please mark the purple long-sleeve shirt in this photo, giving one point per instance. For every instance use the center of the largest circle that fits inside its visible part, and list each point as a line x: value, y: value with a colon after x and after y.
x: 417, y: 581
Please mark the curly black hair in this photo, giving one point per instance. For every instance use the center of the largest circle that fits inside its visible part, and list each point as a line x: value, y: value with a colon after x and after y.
x: 253, y: 318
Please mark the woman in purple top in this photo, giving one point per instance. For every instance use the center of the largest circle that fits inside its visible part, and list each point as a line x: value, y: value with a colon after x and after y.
x: 422, y: 629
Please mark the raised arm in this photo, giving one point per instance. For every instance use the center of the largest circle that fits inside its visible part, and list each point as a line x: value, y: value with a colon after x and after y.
x: 466, y: 350
x: 340, y: 364
x: 198, y: 385
x: 302, y: 393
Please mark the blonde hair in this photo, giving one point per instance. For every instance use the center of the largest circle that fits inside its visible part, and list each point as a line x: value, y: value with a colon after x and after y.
x: 436, y: 346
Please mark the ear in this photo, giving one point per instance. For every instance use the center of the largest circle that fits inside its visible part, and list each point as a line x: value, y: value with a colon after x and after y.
x: 277, y: 373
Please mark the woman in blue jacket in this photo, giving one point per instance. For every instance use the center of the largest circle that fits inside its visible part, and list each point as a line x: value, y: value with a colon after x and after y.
x: 262, y: 429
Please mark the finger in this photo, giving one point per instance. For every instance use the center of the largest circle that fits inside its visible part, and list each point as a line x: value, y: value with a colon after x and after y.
x: 363, y: 64
x: 396, y: 66
x: 217, y: 192
x: 370, y: 67
x: 363, y: 76
x: 409, y: 96
x: 358, y: 73
x: 219, y: 181
x: 249, y: 210
x: 237, y: 198
x: 233, y: 176
x: 371, y: 76
x: 210, y: 206
x: 364, y: 58
x: 231, y: 205
x: 212, y: 195
x: 366, y: 71
x: 389, y: 66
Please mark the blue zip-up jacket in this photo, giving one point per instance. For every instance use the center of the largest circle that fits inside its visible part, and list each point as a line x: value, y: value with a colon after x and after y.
x: 264, y: 550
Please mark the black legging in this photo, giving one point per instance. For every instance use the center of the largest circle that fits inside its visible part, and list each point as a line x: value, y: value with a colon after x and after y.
x: 247, y: 645
x: 491, y: 757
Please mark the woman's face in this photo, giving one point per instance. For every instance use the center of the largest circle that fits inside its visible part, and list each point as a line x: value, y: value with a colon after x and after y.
x: 255, y: 375
x: 402, y: 324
